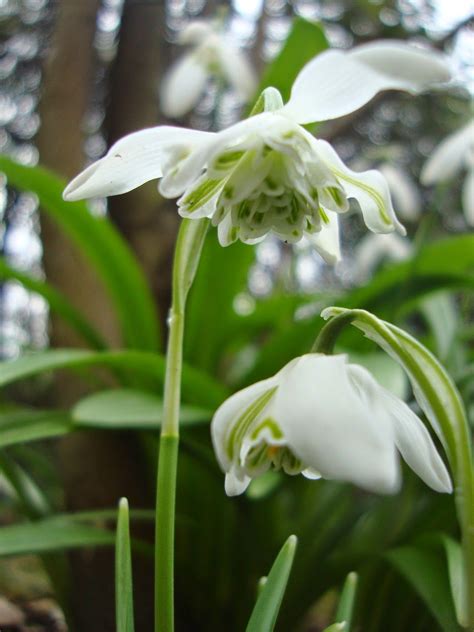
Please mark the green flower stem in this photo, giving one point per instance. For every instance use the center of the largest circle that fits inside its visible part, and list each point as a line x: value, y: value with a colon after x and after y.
x: 187, y: 253
x: 442, y: 404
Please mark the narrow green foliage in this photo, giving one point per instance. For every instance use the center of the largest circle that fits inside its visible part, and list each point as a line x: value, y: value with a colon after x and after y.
x: 345, y: 608
x: 426, y: 572
x: 265, y: 612
x: 24, y: 425
x: 123, y: 572
x: 102, y: 245
x: 198, y: 387
x: 57, y: 303
x: 130, y: 408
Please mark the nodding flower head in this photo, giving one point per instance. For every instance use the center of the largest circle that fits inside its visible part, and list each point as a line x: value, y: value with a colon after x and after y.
x: 267, y: 174
x: 323, y: 418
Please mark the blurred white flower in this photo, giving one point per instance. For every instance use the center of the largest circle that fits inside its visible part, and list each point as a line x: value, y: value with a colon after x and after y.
x: 453, y: 154
x: 211, y: 55
x: 373, y: 249
x: 405, y: 194
x: 324, y: 418
x: 267, y: 174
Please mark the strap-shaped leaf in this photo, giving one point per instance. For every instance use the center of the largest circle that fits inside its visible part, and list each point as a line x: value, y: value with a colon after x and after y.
x: 123, y: 572
x: 56, y: 302
x: 345, y: 608
x: 265, y: 612
x: 102, y: 245
x: 23, y: 425
x: 130, y: 408
x: 197, y: 387
x: 426, y: 572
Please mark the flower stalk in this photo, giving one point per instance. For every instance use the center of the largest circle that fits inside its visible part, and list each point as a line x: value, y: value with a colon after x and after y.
x: 187, y: 254
x: 441, y: 402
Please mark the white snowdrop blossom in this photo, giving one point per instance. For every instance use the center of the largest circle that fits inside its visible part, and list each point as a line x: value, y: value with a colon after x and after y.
x: 211, y: 55
x: 324, y: 418
x: 267, y: 174
x: 373, y: 249
x: 453, y: 154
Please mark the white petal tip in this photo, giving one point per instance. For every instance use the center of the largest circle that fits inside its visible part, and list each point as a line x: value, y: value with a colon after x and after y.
x: 235, y: 486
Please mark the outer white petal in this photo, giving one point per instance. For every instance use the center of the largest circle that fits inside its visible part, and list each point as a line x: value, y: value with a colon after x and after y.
x: 225, y: 232
x: 336, y: 83
x: 415, y: 444
x: 468, y: 197
x: 369, y: 188
x: 183, y: 85
x: 326, y: 241
x: 405, y: 194
x: 237, y: 70
x: 184, y: 172
x: 230, y: 411
x: 330, y: 427
x: 374, y: 248
x: 449, y: 156
x: 133, y: 160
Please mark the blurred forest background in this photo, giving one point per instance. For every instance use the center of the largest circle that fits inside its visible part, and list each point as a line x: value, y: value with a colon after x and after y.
x: 78, y: 74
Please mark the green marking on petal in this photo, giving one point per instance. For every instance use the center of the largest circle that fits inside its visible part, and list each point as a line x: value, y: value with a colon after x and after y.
x: 272, y: 425
x: 227, y: 160
x: 378, y: 199
x: 201, y: 194
x: 323, y: 214
x: 336, y: 195
x: 242, y: 424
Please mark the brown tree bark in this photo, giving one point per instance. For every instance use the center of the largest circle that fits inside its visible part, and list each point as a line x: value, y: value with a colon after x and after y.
x: 148, y: 222
x: 97, y: 468
x: 64, y: 101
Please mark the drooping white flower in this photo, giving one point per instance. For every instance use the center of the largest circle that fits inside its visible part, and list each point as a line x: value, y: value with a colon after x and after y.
x: 372, y: 249
x: 324, y: 418
x: 267, y: 173
x: 453, y: 154
x: 211, y: 55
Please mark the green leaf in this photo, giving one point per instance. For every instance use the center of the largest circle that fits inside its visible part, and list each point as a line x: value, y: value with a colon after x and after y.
x: 57, y: 303
x: 21, y: 426
x: 197, y: 386
x: 426, y: 572
x: 305, y: 40
x: 31, y: 498
x: 222, y: 274
x: 49, y: 535
x: 123, y: 572
x: 336, y: 627
x: 265, y: 612
x: 441, y: 314
x: 346, y: 602
x: 455, y: 562
x: 102, y: 245
x: 128, y: 408
x: 447, y: 263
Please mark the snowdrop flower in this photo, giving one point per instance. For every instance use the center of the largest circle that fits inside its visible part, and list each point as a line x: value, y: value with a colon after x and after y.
x: 212, y: 54
x: 455, y: 152
x: 323, y: 417
x: 404, y: 192
x: 372, y: 249
x: 267, y: 174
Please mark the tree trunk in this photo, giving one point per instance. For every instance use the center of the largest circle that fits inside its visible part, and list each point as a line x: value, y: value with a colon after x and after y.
x: 97, y: 468
x: 148, y: 222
